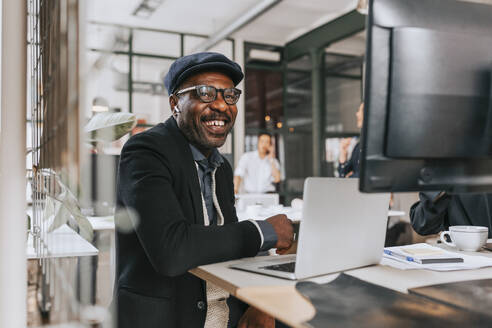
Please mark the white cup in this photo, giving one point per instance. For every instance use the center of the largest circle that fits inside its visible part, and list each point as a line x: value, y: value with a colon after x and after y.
x: 466, y: 238
x: 296, y: 203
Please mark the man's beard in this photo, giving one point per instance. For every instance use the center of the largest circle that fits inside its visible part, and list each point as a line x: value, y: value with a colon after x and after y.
x: 197, y: 136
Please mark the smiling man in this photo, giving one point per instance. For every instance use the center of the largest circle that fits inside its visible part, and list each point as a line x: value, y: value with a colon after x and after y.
x: 176, y: 191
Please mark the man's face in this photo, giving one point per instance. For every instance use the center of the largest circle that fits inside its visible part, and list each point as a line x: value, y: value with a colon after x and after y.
x: 263, y: 144
x: 206, y: 125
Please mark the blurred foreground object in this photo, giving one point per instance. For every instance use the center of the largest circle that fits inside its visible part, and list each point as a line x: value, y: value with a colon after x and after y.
x: 107, y: 127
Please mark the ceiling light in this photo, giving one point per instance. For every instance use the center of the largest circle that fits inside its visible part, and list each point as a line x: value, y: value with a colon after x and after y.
x: 99, y: 104
x: 100, y: 109
x: 265, y: 55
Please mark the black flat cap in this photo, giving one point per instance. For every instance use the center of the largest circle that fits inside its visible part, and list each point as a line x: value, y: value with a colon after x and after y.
x: 187, y: 66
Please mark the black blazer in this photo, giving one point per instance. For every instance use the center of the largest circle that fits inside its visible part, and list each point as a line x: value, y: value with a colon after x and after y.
x: 429, y: 216
x: 158, y: 198
x: 353, y: 164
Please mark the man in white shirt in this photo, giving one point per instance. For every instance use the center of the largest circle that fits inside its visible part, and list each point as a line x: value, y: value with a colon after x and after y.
x: 258, y: 170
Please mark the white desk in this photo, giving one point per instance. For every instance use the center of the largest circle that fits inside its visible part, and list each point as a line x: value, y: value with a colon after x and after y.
x: 395, y: 213
x: 104, y: 225
x: 107, y: 222
x: 102, y: 222
x: 266, y: 212
x: 279, y: 298
x: 292, y: 213
x: 63, y: 242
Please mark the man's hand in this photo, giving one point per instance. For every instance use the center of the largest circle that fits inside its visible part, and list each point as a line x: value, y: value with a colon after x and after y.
x: 284, y: 230
x: 275, y: 171
x: 271, y: 152
x: 255, y: 318
x: 344, y: 145
x: 237, y: 183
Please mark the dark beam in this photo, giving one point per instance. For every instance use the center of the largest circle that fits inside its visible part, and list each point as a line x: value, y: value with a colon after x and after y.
x: 322, y: 36
x: 318, y: 107
x: 130, y: 72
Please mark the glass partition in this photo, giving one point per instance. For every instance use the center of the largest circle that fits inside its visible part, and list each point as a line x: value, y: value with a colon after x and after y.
x: 150, y: 99
x: 298, y: 137
x: 343, y: 69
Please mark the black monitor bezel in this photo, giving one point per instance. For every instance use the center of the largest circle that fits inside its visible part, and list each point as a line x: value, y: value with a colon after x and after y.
x: 380, y: 173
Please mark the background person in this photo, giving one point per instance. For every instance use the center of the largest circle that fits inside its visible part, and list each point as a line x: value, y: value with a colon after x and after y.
x: 258, y: 170
x: 351, y: 167
x: 177, y: 192
x: 437, y: 211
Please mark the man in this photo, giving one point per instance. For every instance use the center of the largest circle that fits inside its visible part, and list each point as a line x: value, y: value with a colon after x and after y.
x: 176, y: 190
x: 351, y: 167
x: 258, y: 170
x: 437, y: 211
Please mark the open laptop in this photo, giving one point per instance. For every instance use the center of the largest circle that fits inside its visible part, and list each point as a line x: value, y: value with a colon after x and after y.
x: 341, y: 229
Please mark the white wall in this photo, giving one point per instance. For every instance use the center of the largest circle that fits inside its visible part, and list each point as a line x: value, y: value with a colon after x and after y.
x: 13, y: 270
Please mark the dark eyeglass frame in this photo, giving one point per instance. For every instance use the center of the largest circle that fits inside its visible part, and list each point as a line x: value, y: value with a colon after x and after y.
x: 197, y: 87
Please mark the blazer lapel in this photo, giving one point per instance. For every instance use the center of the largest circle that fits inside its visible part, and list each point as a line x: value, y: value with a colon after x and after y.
x: 195, y: 191
x: 190, y: 169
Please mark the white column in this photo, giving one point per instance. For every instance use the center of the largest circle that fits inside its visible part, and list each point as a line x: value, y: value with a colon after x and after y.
x: 239, y: 126
x: 13, y: 266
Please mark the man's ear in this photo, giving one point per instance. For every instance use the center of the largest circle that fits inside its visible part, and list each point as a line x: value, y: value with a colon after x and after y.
x: 173, y: 102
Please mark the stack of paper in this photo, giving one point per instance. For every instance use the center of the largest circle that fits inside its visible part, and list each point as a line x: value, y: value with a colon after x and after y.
x: 425, y: 256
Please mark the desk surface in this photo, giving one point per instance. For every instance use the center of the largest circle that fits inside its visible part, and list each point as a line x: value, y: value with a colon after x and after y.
x: 63, y: 242
x: 292, y: 213
x: 102, y: 222
x: 279, y: 298
x: 107, y: 222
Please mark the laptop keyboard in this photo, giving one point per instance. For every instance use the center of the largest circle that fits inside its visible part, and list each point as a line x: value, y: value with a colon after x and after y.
x: 286, y: 267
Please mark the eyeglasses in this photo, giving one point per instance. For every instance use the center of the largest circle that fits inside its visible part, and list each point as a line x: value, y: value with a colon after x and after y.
x: 208, y: 93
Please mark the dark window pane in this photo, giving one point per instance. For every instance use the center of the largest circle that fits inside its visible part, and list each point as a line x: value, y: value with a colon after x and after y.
x: 298, y: 139
x: 343, y: 94
x: 263, y: 94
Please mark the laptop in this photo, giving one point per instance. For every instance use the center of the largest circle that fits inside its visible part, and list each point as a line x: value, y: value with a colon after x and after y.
x: 341, y: 229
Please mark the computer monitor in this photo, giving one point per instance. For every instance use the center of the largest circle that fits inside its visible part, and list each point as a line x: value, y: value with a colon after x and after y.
x: 428, y: 97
